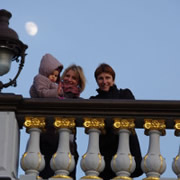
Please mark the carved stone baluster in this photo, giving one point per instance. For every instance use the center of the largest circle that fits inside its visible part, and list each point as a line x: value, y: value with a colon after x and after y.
x: 153, y: 164
x: 92, y: 163
x: 63, y: 161
x: 176, y: 161
x: 123, y: 163
x: 32, y: 162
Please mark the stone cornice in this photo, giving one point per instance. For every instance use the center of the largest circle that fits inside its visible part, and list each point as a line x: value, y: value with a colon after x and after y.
x: 80, y: 108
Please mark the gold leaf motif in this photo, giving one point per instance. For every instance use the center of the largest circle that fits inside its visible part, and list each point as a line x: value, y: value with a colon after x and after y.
x: 177, y: 127
x: 176, y: 159
x: 120, y: 123
x: 122, y: 177
x: 96, y: 123
x: 151, y: 178
x: 59, y: 176
x: 61, y: 122
x: 154, y: 124
x: 34, y: 122
x: 91, y: 177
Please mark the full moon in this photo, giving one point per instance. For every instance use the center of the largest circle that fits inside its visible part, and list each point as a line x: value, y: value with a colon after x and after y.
x: 31, y: 28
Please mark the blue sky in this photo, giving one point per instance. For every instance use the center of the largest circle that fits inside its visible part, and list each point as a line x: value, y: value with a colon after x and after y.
x: 140, y: 39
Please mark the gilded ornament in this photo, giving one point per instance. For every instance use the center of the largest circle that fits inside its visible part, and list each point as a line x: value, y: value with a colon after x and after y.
x: 161, y: 158
x: 38, y: 177
x: 54, y: 164
x: 100, y: 160
x: 94, y: 123
x: 151, y: 124
x: 120, y: 123
x: 34, y: 122
x: 122, y: 177
x: 70, y: 160
x: 114, y: 161
x: 131, y: 162
x: 83, y: 157
x: 61, y: 122
x: 175, y: 163
x: 62, y: 176
x: 151, y: 178
x: 40, y: 159
x: 145, y: 166
x: 177, y: 127
x: 91, y: 177
x: 24, y: 155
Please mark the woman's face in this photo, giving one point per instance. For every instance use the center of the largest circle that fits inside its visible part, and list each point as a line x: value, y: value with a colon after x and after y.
x: 105, y: 81
x: 71, y: 78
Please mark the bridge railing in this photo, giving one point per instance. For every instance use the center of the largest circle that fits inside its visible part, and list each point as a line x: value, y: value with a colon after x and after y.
x: 155, y: 117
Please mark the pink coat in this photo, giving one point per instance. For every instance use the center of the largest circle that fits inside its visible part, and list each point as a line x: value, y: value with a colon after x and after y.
x: 42, y: 87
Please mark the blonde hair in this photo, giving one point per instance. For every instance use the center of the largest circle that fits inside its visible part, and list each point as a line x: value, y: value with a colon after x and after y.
x: 80, y: 74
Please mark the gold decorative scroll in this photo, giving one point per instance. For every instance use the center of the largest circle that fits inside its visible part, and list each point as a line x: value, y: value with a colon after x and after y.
x: 34, y: 122
x: 177, y: 127
x: 176, y: 162
x: 120, y: 123
x: 94, y: 123
x: 91, y: 177
x: 59, y: 176
x: 152, y: 124
x: 151, y: 178
x: 123, y: 177
x: 64, y: 122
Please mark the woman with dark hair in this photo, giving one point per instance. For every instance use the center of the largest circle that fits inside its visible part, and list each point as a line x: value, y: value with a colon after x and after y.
x: 105, y: 78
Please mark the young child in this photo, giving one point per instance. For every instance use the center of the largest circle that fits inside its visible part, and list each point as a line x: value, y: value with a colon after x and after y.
x: 45, y: 84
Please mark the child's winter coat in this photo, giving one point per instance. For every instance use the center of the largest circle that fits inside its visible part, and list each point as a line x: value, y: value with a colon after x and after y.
x: 42, y: 86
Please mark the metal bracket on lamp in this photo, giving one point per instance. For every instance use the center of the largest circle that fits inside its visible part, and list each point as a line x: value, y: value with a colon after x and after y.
x: 10, y: 46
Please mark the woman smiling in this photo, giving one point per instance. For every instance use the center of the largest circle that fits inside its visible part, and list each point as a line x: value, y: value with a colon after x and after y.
x: 105, y: 78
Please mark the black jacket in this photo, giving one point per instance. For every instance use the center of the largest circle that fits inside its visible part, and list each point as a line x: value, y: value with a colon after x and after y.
x: 111, y: 140
x: 114, y: 93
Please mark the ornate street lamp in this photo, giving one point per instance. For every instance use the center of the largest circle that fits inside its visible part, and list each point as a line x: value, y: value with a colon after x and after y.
x: 11, y: 49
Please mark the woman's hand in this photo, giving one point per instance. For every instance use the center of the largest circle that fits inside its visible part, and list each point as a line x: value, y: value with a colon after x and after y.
x: 60, y: 90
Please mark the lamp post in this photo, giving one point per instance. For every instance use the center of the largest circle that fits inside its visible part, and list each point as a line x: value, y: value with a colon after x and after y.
x: 11, y: 49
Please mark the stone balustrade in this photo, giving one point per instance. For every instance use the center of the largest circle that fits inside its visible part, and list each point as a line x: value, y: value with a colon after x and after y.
x: 155, y: 117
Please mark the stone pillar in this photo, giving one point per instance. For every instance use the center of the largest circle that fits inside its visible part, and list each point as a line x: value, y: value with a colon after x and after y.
x: 92, y: 163
x: 176, y: 160
x: 153, y: 164
x: 9, y: 149
x: 123, y: 163
x: 63, y: 161
x: 32, y: 161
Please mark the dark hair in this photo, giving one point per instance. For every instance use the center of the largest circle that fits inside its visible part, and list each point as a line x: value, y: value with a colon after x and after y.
x: 104, y: 68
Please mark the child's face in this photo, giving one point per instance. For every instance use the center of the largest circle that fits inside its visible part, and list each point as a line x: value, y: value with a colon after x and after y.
x: 54, y: 76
